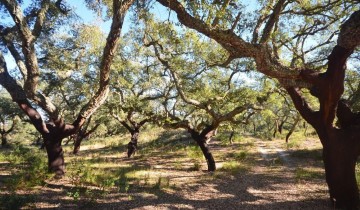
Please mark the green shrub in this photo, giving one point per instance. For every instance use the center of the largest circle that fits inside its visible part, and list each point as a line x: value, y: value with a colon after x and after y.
x: 32, y: 169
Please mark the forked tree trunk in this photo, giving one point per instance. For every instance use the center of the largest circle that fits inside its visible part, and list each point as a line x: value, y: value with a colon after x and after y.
x: 339, y: 156
x: 132, y: 145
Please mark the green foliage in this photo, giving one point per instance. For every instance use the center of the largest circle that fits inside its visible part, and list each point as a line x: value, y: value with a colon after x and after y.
x: 302, y: 174
x: 233, y: 167
x: 31, y: 168
x: 194, y: 151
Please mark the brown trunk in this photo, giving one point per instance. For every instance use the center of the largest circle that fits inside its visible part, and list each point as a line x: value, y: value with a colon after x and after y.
x: 132, y: 146
x: 292, y: 129
x: 201, y: 140
x: 340, y: 155
x: 77, y: 143
x: 207, y: 154
x: 3, y: 139
x: 231, y: 136
x: 55, y: 153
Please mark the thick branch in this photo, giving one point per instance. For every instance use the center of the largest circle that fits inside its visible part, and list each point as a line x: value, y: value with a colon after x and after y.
x: 302, y: 106
x: 28, y: 47
x: 235, y: 45
x: 119, y: 9
x: 18, y: 95
x: 349, y: 34
x: 272, y: 20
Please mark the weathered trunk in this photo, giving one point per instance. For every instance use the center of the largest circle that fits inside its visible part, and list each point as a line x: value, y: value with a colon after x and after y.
x: 132, y: 145
x: 340, y: 155
x: 206, y: 152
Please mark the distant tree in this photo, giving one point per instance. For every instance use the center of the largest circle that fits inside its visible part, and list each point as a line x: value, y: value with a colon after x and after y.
x: 9, y: 116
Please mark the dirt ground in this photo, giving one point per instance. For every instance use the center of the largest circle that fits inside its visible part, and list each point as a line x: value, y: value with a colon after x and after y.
x: 272, y: 180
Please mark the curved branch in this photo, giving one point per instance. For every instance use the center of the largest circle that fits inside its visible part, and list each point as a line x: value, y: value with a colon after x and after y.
x: 28, y: 48
x: 19, y: 96
x: 302, y: 106
x: 119, y: 9
x: 273, y: 18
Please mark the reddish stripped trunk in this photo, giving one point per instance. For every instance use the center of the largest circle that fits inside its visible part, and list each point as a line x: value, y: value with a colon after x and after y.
x: 340, y: 154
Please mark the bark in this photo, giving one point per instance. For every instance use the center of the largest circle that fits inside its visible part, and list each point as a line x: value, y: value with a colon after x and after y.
x: 276, y: 128
x: 340, y: 155
x: 77, y: 143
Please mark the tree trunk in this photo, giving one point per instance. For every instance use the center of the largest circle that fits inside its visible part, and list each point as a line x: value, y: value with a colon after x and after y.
x: 231, y: 136
x: 132, y: 146
x: 206, y: 152
x: 3, y: 140
x: 340, y: 155
x: 77, y: 143
x: 292, y: 129
x: 55, y: 153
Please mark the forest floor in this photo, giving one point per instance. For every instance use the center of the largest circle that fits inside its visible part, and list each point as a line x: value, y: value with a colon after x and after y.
x: 252, y: 174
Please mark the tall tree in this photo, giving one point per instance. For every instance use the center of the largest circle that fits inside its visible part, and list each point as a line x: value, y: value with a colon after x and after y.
x: 290, y: 41
x: 20, y: 39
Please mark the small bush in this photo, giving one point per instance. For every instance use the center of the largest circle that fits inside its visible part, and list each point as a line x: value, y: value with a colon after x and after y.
x: 32, y: 168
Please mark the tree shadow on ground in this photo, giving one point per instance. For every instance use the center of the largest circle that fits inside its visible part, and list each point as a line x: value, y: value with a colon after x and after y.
x: 243, y: 190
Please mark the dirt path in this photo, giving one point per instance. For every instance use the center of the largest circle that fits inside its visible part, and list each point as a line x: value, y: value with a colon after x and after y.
x: 270, y: 185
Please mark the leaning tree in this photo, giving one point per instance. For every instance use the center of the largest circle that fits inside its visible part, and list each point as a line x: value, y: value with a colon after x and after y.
x: 304, y: 45
x: 22, y: 38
